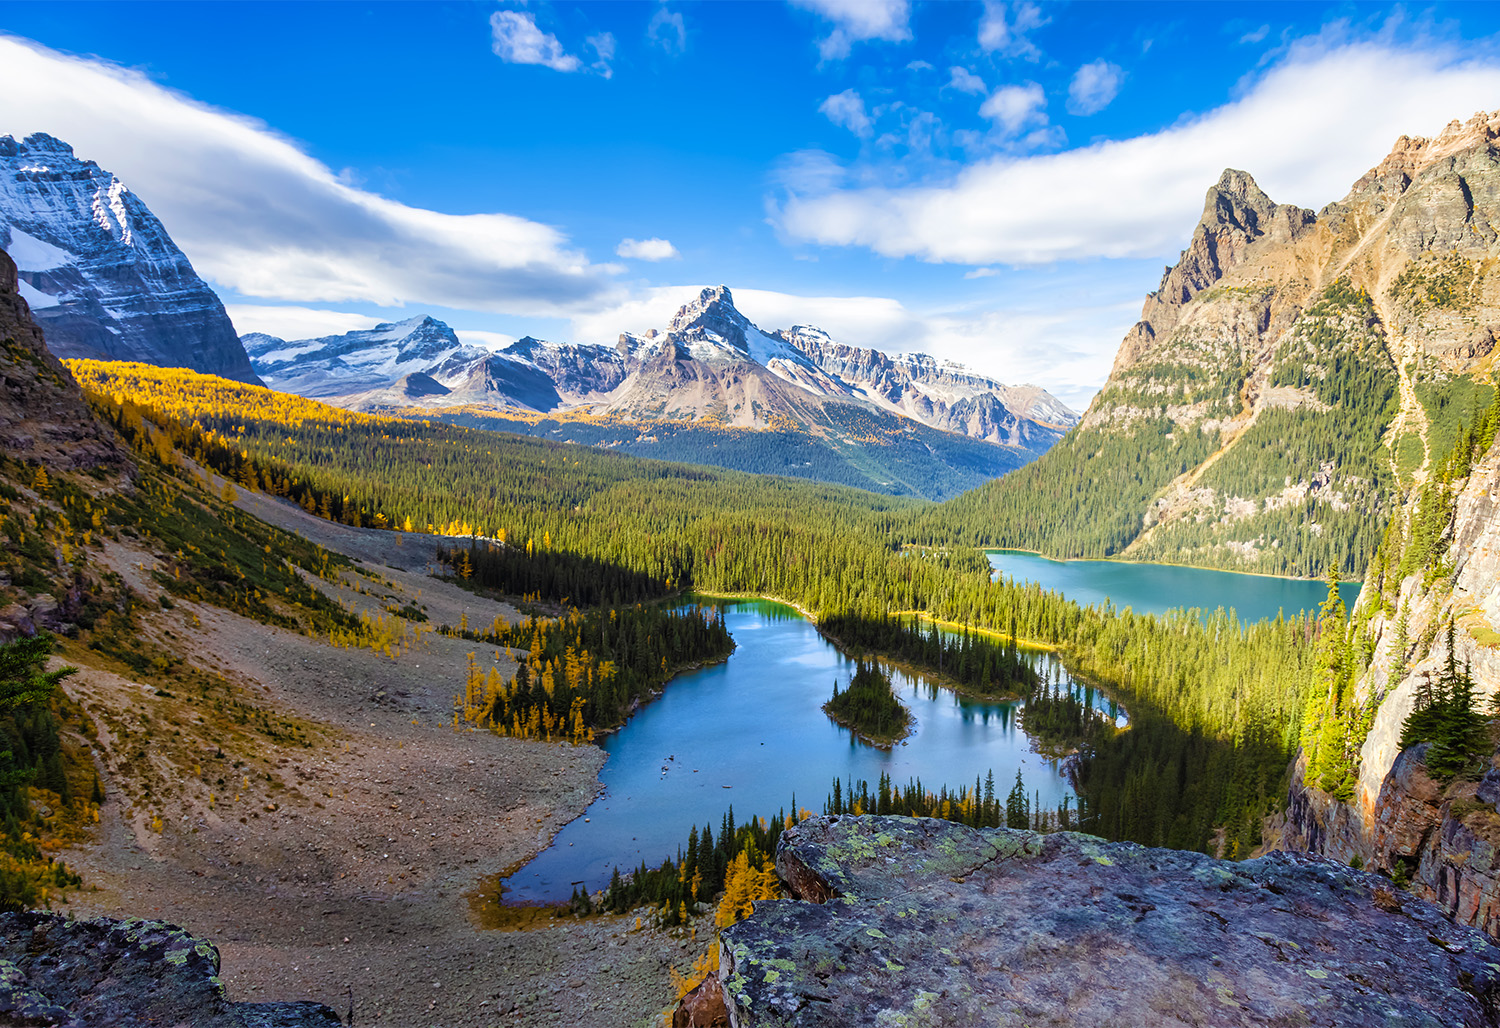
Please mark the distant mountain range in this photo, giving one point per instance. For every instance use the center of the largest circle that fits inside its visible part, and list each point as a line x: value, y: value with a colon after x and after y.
x: 710, y: 388
x: 711, y: 364
x: 101, y: 275
x: 1295, y: 373
x: 105, y: 281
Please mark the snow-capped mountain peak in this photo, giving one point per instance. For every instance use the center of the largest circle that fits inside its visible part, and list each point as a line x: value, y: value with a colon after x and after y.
x: 100, y: 272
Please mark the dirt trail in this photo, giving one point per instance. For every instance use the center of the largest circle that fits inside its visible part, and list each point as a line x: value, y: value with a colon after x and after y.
x: 343, y: 864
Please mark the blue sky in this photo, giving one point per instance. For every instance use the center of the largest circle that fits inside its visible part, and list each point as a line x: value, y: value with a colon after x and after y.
x: 995, y: 183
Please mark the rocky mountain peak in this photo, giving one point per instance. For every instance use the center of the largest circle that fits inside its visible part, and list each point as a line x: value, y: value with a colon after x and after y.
x: 1411, y: 154
x: 1237, y: 215
x: 712, y: 313
x: 99, y: 271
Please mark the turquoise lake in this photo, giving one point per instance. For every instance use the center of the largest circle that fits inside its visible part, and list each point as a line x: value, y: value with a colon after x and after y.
x: 754, y: 724
x: 1157, y: 588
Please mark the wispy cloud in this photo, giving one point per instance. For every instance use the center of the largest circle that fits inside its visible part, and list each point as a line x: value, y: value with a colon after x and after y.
x: 1004, y: 29
x: 652, y: 249
x: 517, y: 40
x: 255, y: 213
x: 1141, y: 196
x: 290, y: 322
x: 847, y: 110
x: 856, y: 21
x: 667, y: 30
x: 965, y: 81
x: 1094, y: 87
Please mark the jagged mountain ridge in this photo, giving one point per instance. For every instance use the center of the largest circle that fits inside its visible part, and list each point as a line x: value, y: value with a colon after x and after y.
x: 102, y: 276
x: 1285, y: 378
x: 710, y: 363
x: 710, y: 388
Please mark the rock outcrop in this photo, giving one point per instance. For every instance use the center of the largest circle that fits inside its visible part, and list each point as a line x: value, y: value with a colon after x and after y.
x: 923, y: 922
x: 43, y: 416
x: 55, y: 971
x: 102, y: 275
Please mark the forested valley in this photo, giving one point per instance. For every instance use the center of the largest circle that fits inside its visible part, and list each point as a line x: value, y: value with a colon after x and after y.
x: 1216, y: 706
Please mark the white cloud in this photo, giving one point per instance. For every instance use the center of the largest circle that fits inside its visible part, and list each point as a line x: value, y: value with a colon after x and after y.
x: 1256, y: 35
x: 965, y: 81
x: 604, y: 46
x: 482, y: 339
x: 982, y: 273
x: 295, y: 322
x: 1094, y: 87
x: 918, y: 66
x: 652, y: 249
x: 517, y: 40
x: 257, y: 214
x: 1005, y: 32
x: 667, y: 30
x: 847, y: 110
x: 1013, y: 108
x: 1140, y: 196
x: 856, y: 21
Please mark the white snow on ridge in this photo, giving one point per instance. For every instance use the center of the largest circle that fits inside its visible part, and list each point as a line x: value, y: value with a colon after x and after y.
x: 33, y: 254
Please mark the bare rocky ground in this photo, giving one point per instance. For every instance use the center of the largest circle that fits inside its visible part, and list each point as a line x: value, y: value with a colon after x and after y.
x: 336, y: 857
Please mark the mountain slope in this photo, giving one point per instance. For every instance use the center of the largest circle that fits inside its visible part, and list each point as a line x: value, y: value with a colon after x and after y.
x: 1286, y: 380
x: 103, y: 278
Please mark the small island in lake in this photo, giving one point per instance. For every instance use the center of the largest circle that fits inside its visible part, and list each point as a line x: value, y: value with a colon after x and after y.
x: 869, y: 708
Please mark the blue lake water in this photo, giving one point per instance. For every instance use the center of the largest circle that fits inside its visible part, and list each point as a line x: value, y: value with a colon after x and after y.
x: 754, y: 724
x: 1157, y: 588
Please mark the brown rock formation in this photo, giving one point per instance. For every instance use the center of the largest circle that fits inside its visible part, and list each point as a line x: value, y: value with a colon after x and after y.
x: 43, y: 416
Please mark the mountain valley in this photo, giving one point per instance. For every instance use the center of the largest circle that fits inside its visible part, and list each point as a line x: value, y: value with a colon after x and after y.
x: 229, y: 554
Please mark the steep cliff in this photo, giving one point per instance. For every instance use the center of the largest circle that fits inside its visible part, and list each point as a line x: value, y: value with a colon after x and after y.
x: 921, y: 922
x: 1290, y: 376
x: 102, y: 275
x: 1440, y: 835
x: 43, y: 416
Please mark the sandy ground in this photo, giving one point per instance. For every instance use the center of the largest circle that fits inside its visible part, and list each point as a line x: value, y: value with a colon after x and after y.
x: 341, y: 866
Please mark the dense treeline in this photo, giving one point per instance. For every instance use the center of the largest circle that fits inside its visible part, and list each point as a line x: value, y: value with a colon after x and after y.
x: 555, y: 575
x: 981, y: 665
x: 894, y: 456
x: 31, y: 757
x: 585, y: 672
x: 868, y: 708
x: 1239, y: 689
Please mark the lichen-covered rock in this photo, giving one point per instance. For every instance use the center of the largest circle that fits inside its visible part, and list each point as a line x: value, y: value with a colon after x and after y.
x: 925, y: 922
x: 95, y: 974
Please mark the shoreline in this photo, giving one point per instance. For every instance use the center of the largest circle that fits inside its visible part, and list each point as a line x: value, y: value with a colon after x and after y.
x: 1156, y: 563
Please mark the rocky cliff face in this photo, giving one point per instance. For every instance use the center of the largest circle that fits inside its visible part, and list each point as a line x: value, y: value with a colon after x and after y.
x: 1442, y: 837
x: 43, y: 416
x: 101, y: 274
x: 105, y: 973
x: 912, y: 921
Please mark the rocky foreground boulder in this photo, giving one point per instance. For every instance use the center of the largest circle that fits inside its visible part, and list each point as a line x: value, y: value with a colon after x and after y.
x: 95, y: 974
x: 912, y: 921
